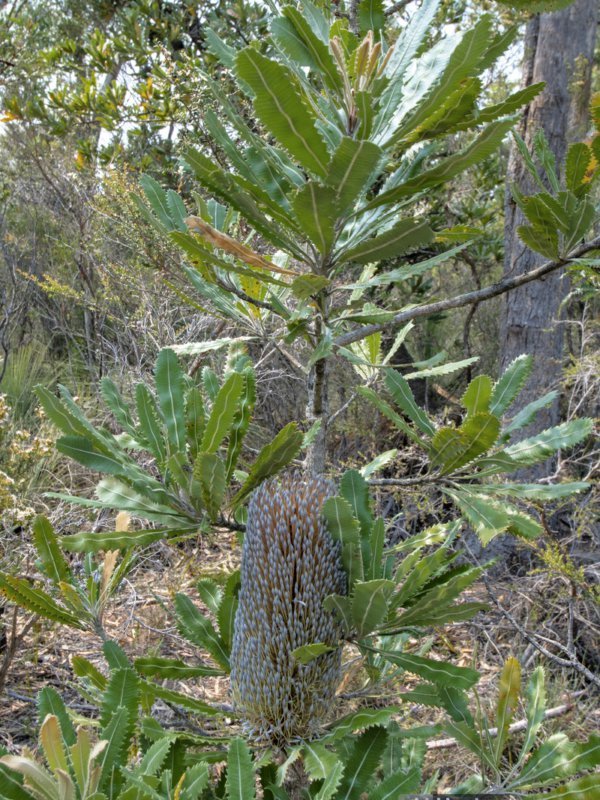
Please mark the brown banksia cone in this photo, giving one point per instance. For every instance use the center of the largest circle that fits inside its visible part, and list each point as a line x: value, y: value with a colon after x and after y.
x: 290, y: 563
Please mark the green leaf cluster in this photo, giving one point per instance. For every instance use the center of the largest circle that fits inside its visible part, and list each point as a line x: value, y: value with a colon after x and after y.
x: 343, y: 145
x: 557, y: 767
x: 73, y: 600
x: 559, y: 215
x: 193, y: 435
x: 465, y: 459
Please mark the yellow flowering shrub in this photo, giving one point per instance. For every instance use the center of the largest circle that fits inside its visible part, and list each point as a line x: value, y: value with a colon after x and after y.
x: 21, y: 452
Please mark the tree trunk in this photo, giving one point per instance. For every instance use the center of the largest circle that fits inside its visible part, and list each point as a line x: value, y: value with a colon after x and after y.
x: 559, y: 49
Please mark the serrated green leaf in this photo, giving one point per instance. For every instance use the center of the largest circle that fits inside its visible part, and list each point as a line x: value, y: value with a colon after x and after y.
x: 331, y: 783
x: 540, y: 447
x: 558, y: 758
x: 228, y: 607
x: 113, y: 493
x: 38, y: 778
x: 53, y: 561
x: 476, y: 398
x: 118, y: 406
x: 403, y: 397
x: 122, y: 691
x: 224, y: 186
x: 177, y: 210
x: 438, y: 672
x: 468, y: 736
x: 398, y: 784
x: 241, y: 423
x: 578, y: 160
x: 169, y: 388
x: 405, y: 235
x: 378, y: 463
x: 360, y: 720
x: 149, y: 422
x: 508, y: 698
x: 115, y: 733
x: 528, y: 414
x: 535, y: 709
x: 157, y: 198
x: 435, y: 606
x: 315, y: 52
x: 95, y: 541
x: 344, y: 528
x: 536, y: 491
x: 115, y: 655
x: 441, y: 369
x: 510, y: 384
x: 240, y: 772
x: 154, y: 690
x: 171, y: 668
x: 195, y: 782
x: 546, y: 157
x: 585, y: 788
x: 58, y: 413
x: 342, y: 608
x: 315, y: 208
x: 83, y: 668
x: 222, y: 413
x: 370, y: 604
x: 19, y: 591
x: 318, y: 761
x: 389, y: 412
x: 371, y: 16
x: 11, y: 785
x: 195, y: 419
x: 306, y: 285
x: 82, y: 450
x: 363, y: 758
x: 354, y: 489
x: 452, y: 448
x: 50, y: 702
x: 581, y: 225
x: 483, y: 146
x: 546, y: 215
x: 199, y: 630
x: 545, y: 243
x: 209, y: 471
x: 351, y: 170
x: 272, y: 458
x: 487, y: 517
x: 281, y: 107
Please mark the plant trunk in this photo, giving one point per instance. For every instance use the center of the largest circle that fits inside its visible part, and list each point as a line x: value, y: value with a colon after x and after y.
x: 559, y: 49
x: 317, y: 411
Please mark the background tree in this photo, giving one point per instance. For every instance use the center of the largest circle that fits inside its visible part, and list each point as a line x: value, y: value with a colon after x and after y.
x: 559, y: 51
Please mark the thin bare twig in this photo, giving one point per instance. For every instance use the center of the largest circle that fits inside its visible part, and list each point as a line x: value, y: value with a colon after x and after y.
x: 571, y: 662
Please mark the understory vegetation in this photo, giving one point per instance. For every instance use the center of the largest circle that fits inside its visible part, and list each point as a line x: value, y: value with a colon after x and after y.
x: 290, y: 506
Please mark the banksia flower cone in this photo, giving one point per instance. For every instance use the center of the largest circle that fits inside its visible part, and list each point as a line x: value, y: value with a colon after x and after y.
x: 290, y: 564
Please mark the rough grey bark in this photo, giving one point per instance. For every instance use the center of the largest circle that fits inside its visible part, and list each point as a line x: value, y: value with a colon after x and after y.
x: 559, y: 49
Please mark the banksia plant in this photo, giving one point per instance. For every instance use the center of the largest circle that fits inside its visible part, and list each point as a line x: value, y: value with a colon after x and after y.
x: 290, y: 564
